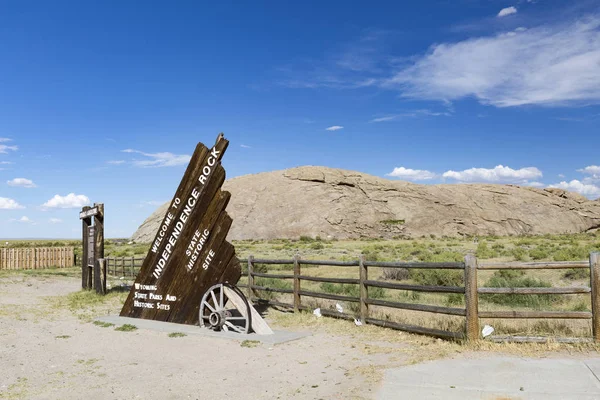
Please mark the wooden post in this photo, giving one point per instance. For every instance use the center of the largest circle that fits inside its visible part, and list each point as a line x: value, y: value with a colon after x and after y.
x: 132, y: 266
x: 99, y: 233
x: 471, y: 298
x: 100, y: 276
x: 595, y: 286
x: 85, y: 224
x: 297, y: 300
x: 250, y: 278
x: 364, y: 289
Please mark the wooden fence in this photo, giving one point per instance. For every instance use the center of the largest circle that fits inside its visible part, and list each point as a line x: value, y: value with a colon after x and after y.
x: 471, y: 291
x: 129, y: 266
x: 123, y: 266
x: 36, y: 258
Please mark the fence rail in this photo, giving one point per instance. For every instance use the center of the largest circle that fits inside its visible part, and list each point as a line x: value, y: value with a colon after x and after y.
x: 36, y: 258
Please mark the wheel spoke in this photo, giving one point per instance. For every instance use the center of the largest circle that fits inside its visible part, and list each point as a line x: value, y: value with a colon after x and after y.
x: 212, y: 293
x: 235, y: 328
x: 235, y: 318
x: 221, y: 298
x: 209, y: 306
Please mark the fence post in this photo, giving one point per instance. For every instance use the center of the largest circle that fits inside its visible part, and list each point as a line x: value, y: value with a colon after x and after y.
x: 364, y: 289
x: 297, y: 301
x: 250, y: 277
x: 471, y: 297
x: 132, y: 266
x: 595, y: 286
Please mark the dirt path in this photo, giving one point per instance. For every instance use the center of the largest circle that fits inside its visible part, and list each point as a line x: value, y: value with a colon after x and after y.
x: 48, y: 351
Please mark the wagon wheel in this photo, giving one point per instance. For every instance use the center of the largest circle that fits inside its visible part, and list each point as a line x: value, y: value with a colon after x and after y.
x: 224, y: 307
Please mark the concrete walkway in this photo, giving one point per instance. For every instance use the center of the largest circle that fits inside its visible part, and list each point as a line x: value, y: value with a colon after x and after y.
x: 495, y: 378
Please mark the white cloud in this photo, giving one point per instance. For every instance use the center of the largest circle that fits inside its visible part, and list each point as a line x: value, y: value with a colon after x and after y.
x: 9, y: 204
x: 164, y: 159
x: 4, y: 148
x: 549, y: 65
x: 55, y: 220
x: 588, y: 190
x: 3, y: 140
x: 499, y: 174
x: 71, y: 200
x: 334, y: 128
x: 116, y: 162
x: 25, y: 219
x: 412, y: 114
x: 385, y: 119
x: 411, y: 174
x: 6, y: 162
x: 21, y: 182
x: 507, y: 11
x: 561, y: 175
x: 593, y: 170
x: 245, y: 146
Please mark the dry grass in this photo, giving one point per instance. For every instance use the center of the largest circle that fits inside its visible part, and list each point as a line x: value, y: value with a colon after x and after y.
x: 488, y: 249
x: 411, y: 348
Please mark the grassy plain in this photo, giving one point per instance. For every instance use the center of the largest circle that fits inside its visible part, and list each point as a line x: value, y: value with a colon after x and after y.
x: 571, y: 247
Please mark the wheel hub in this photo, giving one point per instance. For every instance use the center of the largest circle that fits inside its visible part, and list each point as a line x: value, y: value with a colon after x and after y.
x: 215, y: 320
x: 225, y: 308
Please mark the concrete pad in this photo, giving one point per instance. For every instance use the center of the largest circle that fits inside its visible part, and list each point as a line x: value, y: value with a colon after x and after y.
x: 277, y: 337
x: 494, y: 377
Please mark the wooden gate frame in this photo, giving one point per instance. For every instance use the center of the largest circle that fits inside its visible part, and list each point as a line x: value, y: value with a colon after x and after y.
x: 93, y: 275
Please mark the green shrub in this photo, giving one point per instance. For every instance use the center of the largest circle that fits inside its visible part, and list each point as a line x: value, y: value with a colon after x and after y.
x: 498, y: 246
x: 404, y: 295
x: 396, y: 274
x: 571, y: 253
x: 271, y: 283
x: 261, y: 268
x: 576, y: 274
x: 539, y: 254
x: 126, y: 328
x: 580, y: 306
x: 393, y: 222
x: 437, y: 277
x: 503, y: 279
x: 352, y: 290
x: 370, y: 255
x: 519, y: 253
x: 483, y: 251
x: 509, y: 273
x: 455, y: 299
x: 344, y: 289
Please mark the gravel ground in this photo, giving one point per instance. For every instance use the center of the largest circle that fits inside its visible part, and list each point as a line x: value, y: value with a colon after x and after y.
x: 49, y: 351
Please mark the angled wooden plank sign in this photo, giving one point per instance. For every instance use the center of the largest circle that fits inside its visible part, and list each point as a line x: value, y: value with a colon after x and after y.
x: 189, y: 253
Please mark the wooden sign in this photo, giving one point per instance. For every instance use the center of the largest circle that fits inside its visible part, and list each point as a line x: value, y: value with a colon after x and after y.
x: 189, y: 253
x: 91, y: 246
x: 92, y: 233
x: 88, y: 213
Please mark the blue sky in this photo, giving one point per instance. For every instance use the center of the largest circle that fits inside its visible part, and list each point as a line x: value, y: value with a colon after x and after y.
x: 105, y: 101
